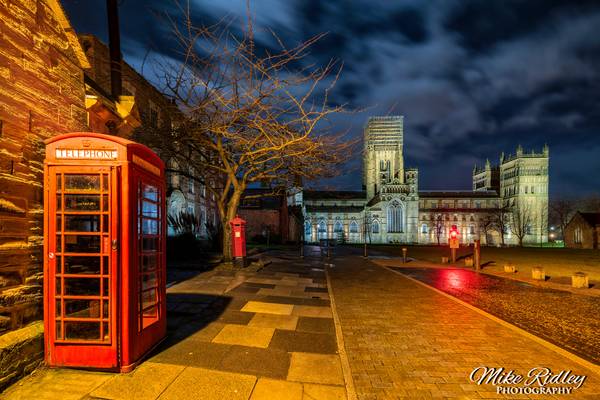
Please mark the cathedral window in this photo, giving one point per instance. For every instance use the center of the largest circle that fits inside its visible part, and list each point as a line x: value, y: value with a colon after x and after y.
x: 321, y: 227
x: 472, y: 229
x: 375, y: 227
x: 528, y: 229
x: 424, y: 228
x: 394, y: 217
x: 337, y: 227
x: 307, y: 228
x: 532, y: 190
x: 353, y: 227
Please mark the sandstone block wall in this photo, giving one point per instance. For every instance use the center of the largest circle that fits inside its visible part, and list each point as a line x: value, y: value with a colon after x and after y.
x: 41, y: 95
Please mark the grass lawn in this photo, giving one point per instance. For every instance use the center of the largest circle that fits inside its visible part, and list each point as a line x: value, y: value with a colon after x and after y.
x: 559, y: 263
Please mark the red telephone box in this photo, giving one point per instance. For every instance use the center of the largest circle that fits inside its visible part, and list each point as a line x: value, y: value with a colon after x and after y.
x: 104, y: 251
x: 238, y: 240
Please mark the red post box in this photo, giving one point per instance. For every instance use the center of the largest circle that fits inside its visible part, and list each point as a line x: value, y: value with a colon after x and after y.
x: 104, y: 251
x: 238, y: 237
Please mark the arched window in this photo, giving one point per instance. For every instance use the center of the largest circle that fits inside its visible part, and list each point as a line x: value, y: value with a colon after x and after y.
x: 353, y: 227
x: 337, y: 227
x: 424, y: 228
x: 394, y: 217
x: 472, y: 229
x: 375, y: 227
x: 307, y: 228
x: 321, y: 227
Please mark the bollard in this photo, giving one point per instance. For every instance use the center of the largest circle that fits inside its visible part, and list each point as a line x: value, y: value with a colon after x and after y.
x: 580, y: 280
x: 404, y: 250
x: 444, y: 260
x: 477, y: 253
x: 510, y: 268
x: 468, y: 261
x: 538, y: 273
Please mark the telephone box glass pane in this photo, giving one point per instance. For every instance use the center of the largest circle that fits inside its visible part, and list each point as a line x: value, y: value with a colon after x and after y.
x: 82, y: 223
x: 83, y: 183
x: 82, y: 265
x: 82, y: 286
x: 82, y: 330
x: 82, y: 244
x: 82, y: 308
x: 79, y: 202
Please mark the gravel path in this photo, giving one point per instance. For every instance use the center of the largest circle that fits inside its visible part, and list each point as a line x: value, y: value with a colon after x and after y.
x: 568, y: 320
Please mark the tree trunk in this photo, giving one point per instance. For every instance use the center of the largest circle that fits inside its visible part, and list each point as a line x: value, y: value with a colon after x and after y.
x: 230, y: 213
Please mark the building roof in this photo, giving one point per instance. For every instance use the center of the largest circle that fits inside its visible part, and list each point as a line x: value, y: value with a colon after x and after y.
x: 591, y: 218
x: 459, y: 194
x: 334, y: 209
x: 65, y: 24
x: 334, y: 195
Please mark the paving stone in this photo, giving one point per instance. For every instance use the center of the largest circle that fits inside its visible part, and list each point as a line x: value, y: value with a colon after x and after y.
x: 245, y: 336
x: 236, y: 317
x: 193, y: 353
x: 147, y: 381
x: 45, y: 383
x: 312, y: 311
x: 304, y: 342
x: 315, y: 289
x: 313, y: 324
x: 278, y: 291
x: 272, y: 363
x: 268, y: 308
x: 323, y: 392
x: 198, y: 383
x: 271, y: 389
x: 259, y: 285
x: 274, y: 321
x: 315, y: 368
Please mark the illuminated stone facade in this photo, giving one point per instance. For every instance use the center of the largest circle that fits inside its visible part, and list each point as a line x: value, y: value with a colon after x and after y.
x: 391, y: 209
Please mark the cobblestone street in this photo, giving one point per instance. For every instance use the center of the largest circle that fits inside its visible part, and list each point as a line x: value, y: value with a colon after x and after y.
x: 564, y: 318
x: 406, y: 340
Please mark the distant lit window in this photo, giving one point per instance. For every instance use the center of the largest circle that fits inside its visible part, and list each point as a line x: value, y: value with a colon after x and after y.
x: 424, y: 228
x: 353, y: 227
x: 578, y: 235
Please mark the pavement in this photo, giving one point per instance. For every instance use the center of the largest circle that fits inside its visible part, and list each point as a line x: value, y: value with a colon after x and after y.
x: 277, y: 334
x: 231, y: 335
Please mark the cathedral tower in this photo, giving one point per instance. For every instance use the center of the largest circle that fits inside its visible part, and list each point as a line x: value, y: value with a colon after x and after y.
x: 383, y: 159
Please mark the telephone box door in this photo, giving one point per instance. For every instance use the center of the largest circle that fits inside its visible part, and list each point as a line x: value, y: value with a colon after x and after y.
x: 82, y: 255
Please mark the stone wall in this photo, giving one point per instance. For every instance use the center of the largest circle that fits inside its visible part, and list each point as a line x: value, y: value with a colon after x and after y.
x: 41, y: 95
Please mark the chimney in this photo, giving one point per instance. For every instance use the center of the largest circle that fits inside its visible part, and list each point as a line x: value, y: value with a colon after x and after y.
x: 114, y: 46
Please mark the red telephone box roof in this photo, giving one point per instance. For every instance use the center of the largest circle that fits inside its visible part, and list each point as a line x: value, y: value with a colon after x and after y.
x: 130, y: 146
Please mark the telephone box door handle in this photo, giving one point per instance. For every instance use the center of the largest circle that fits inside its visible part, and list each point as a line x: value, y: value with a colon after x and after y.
x: 114, y: 244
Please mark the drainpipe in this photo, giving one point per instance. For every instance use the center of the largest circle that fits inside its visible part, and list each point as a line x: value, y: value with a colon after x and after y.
x: 114, y: 46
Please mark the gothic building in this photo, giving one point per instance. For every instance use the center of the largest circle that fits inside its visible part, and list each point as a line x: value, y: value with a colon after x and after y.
x: 508, y: 203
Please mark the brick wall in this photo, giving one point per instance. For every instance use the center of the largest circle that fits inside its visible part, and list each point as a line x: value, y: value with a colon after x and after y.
x: 589, y: 235
x: 41, y: 95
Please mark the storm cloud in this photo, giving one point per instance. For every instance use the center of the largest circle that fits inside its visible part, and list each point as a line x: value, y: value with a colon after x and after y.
x: 472, y: 78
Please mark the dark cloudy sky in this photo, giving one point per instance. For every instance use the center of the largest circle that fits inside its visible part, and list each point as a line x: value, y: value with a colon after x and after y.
x: 472, y: 78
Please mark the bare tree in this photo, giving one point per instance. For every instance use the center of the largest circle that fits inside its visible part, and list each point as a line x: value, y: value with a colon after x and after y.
x: 521, y: 221
x: 487, y: 223
x: 438, y: 228
x: 561, y: 212
x: 501, y: 216
x: 251, y: 115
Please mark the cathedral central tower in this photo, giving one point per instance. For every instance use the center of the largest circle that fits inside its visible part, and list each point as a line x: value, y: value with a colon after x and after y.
x: 383, y: 161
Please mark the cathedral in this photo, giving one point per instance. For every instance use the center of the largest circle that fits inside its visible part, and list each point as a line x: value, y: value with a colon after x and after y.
x: 508, y: 203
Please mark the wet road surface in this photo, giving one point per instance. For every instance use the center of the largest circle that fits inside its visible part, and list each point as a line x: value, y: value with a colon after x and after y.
x: 568, y: 320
